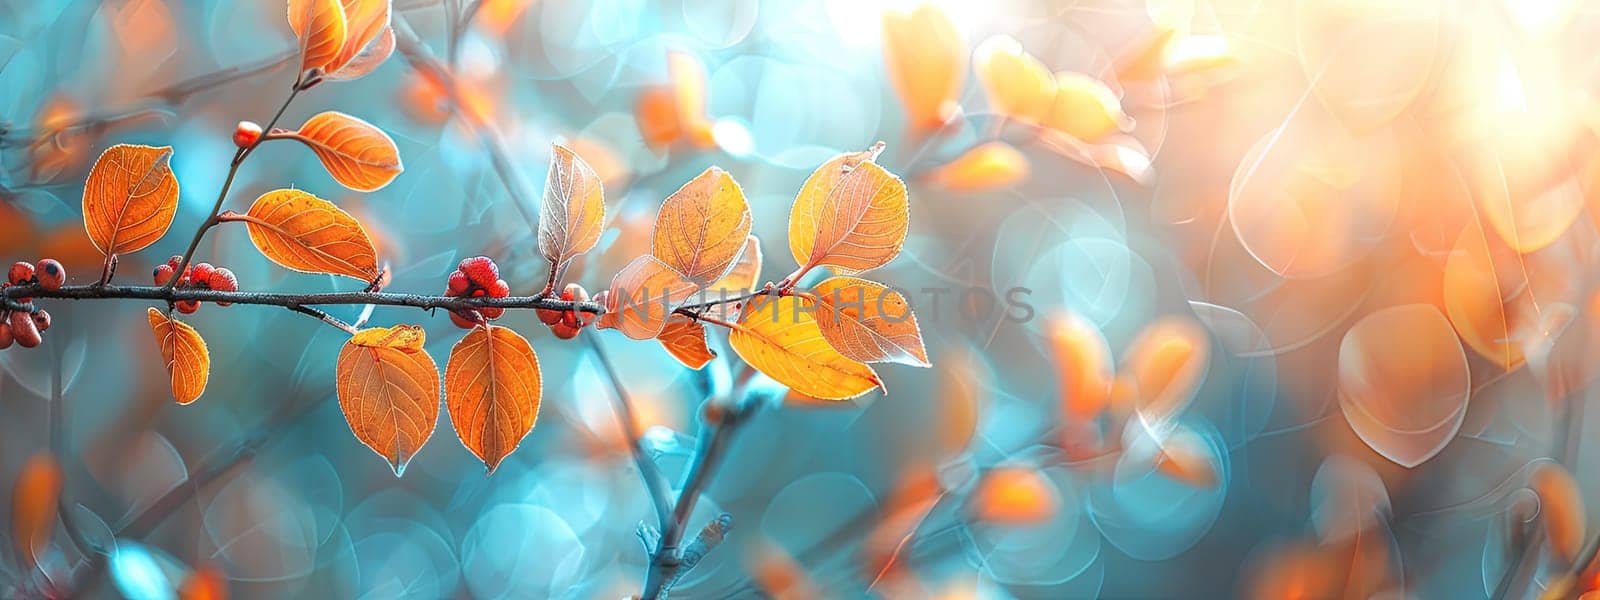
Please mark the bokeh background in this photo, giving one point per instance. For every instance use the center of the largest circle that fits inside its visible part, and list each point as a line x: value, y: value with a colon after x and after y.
x: 1341, y: 256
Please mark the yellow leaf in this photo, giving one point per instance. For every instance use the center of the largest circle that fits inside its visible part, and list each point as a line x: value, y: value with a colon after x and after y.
x: 642, y: 296
x: 780, y: 337
x: 1085, y: 108
x: 988, y: 166
x: 573, y: 213
x: 685, y: 340
x: 33, y: 505
x: 367, y: 24
x: 321, y: 28
x: 851, y: 215
x: 389, y: 391
x: 745, y: 273
x: 701, y: 228
x: 303, y: 232
x: 492, y: 388
x: 130, y: 198
x: 359, y: 156
x: 1017, y: 84
x: 1561, y: 508
x: 869, y: 322
x: 184, y: 355
x: 926, y: 60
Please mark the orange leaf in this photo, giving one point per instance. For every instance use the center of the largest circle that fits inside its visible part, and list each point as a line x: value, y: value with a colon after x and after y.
x: 303, y: 232
x: 1561, y: 509
x: 130, y: 198
x: 869, y: 322
x: 701, y: 228
x: 367, y: 23
x: 851, y: 215
x: 926, y: 59
x: 206, y: 582
x: 359, y: 156
x: 492, y: 388
x: 1083, y: 362
x: 1014, y: 495
x: 780, y: 337
x: 33, y: 504
x: 1185, y: 457
x: 388, y: 389
x: 1085, y: 108
x: 1164, y: 366
x: 642, y: 296
x: 989, y: 166
x: 184, y: 355
x: 573, y: 213
x: 1016, y: 83
x: 321, y: 28
x: 368, y: 60
x: 676, y: 111
x: 685, y: 340
x: 745, y: 272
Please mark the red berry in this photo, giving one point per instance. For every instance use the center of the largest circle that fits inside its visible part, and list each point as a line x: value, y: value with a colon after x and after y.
x: 51, y: 274
x: 564, y: 331
x: 187, y: 306
x: 22, y: 327
x: 21, y: 272
x: 174, y: 261
x: 222, y: 279
x: 41, y: 320
x: 500, y: 289
x: 469, y: 321
x: 6, y: 337
x: 246, y: 133
x: 200, y: 273
x: 492, y: 312
x: 162, y: 274
x: 481, y: 270
x: 457, y: 284
x: 548, y: 317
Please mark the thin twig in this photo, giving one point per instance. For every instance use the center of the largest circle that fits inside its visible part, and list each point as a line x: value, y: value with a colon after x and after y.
x: 289, y: 300
x: 654, y: 482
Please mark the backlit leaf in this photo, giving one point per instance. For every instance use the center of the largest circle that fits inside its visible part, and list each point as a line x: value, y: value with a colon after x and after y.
x: 676, y: 111
x: 701, y: 228
x: 746, y: 272
x: 642, y: 296
x: 492, y: 387
x: 851, y: 215
x: 1014, y: 495
x: 1404, y: 382
x: 1085, y: 108
x: 358, y: 155
x: 303, y: 232
x: 321, y: 28
x: 780, y: 337
x: 130, y: 198
x: 1017, y: 84
x: 183, y: 353
x: 869, y: 322
x: 1186, y: 458
x: 368, y: 60
x: 685, y: 340
x: 33, y: 505
x: 988, y: 166
x: 366, y: 25
x: 1560, y: 508
x: 1083, y: 362
x: 573, y: 212
x: 926, y: 60
x: 388, y: 388
x: 1164, y: 365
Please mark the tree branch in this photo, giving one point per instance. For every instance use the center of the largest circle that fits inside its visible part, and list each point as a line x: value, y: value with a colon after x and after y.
x: 654, y: 481
x: 291, y: 301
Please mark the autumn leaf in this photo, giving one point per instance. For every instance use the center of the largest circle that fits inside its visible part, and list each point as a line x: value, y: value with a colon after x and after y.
x: 130, y: 198
x: 926, y: 59
x: 573, y: 213
x: 1083, y: 365
x: 685, y: 340
x: 851, y: 215
x: 642, y: 296
x: 869, y: 322
x: 1017, y: 84
x: 358, y: 155
x: 388, y: 388
x: 701, y: 228
x: 321, y: 28
x: 1085, y: 108
x: 183, y: 353
x: 780, y: 337
x: 1014, y: 495
x: 206, y: 582
x: 33, y: 505
x: 492, y: 388
x: 745, y: 272
x: 1561, y: 508
x: 989, y: 166
x: 303, y: 232
x: 369, y: 40
x: 676, y: 111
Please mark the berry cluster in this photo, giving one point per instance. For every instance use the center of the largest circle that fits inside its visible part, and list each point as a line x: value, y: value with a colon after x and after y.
x: 566, y: 323
x: 21, y: 327
x: 476, y: 277
x: 197, y: 275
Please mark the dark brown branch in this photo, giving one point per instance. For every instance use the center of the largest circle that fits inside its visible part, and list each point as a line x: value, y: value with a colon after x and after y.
x: 290, y: 301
